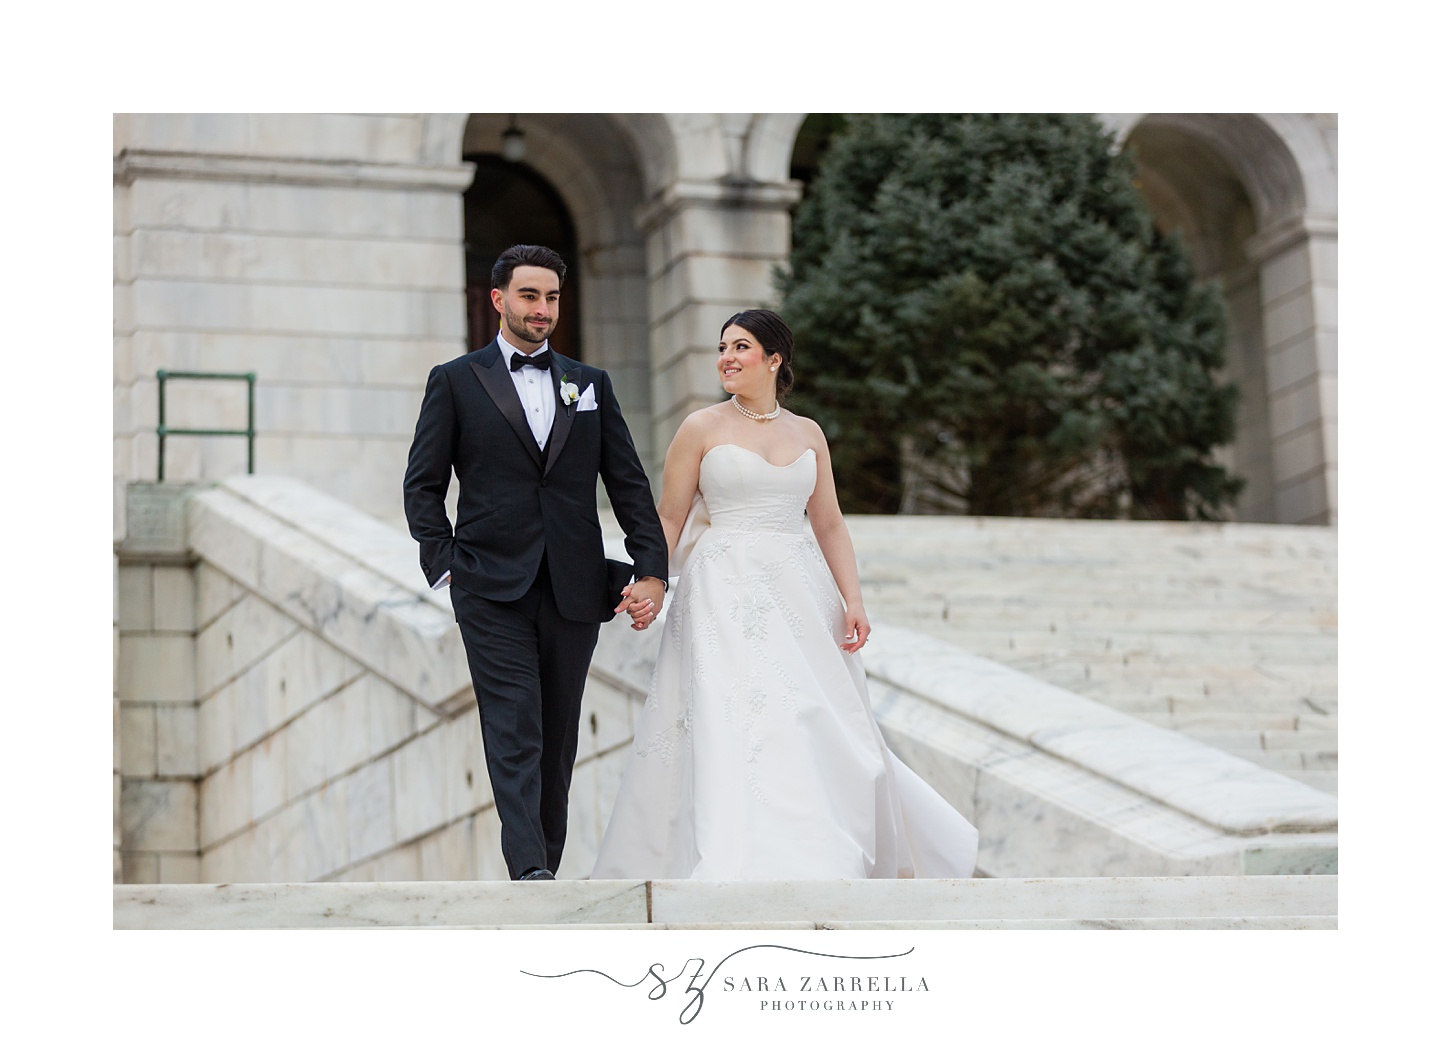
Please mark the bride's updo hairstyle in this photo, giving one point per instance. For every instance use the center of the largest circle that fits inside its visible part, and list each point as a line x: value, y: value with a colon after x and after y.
x: 775, y: 337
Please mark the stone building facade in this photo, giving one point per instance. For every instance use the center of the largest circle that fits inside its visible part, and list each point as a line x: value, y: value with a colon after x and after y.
x: 339, y: 257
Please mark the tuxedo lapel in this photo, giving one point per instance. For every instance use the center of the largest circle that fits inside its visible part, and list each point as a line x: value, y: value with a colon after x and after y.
x: 563, y: 414
x: 500, y: 386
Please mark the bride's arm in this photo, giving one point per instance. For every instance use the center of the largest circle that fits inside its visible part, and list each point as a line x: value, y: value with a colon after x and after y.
x: 831, y: 535
x: 682, y: 477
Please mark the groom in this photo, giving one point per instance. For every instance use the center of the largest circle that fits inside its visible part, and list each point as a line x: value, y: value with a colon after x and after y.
x: 528, y: 432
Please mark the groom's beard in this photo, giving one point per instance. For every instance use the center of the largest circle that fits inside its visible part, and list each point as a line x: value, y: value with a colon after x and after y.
x: 519, y: 327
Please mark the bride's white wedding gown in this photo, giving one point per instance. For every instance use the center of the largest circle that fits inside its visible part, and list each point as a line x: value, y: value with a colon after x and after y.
x: 756, y: 754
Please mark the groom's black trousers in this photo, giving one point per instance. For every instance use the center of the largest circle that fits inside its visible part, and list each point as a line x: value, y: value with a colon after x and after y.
x: 529, y: 666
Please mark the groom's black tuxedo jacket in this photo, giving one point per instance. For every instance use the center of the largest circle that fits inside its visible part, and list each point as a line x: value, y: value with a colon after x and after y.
x: 515, y: 502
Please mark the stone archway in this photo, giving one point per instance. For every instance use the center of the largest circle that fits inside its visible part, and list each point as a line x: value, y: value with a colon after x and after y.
x: 511, y: 203
x: 673, y: 234
x: 771, y: 142
x: 1254, y: 198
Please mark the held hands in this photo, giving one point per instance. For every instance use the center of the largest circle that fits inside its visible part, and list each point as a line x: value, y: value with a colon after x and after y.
x: 857, y: 628
x: 642, y: 600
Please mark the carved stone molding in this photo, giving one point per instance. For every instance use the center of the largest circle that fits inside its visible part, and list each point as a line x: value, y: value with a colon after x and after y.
x: 132, y: 164
x: 723, y: 194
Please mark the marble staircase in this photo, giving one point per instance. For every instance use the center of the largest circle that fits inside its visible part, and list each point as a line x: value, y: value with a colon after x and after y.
x: 1225, y: 633
x: 291, y: 705
x: 1095, y: 903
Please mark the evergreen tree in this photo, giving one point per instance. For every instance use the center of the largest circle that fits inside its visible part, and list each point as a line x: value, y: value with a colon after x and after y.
x: 990, y: 291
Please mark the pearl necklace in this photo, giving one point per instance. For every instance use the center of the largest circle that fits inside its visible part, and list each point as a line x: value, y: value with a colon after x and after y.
x: 772, y: 415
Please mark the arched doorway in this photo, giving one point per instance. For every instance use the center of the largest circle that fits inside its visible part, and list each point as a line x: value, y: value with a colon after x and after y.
x: 1248, y: 194
x: 1191, y: 189
x: 811, y: 139
x: 507, y: 204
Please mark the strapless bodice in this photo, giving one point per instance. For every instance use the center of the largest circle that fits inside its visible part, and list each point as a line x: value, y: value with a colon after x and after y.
x: 744, y: 491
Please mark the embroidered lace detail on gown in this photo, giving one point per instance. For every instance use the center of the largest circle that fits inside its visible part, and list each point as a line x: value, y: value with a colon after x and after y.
x: 756, y: 755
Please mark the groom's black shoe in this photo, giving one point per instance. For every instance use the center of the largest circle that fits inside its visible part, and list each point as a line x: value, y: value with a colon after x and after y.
x: 538, y: 874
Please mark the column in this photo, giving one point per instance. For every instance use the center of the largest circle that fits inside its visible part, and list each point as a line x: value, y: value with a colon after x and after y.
x: 711, y: 247
x: 1298, y: 286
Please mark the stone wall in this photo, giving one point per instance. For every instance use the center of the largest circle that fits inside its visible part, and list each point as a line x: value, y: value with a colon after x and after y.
x: 321, y: 252
x: 155, y: 769
x: 315, y: 767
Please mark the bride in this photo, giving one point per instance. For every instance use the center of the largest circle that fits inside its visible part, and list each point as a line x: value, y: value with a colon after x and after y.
x: 756, y: 754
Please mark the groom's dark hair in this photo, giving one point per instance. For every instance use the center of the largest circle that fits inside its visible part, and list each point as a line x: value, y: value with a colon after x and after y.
x: 533, y: 256
x: 775, y: 337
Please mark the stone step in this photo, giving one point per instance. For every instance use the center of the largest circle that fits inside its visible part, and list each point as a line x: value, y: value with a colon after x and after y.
x: 1283, y: 711
x: 1112, y: 627
x: 1057, y: 535
x: 1288, y: 713
x: 1149, y: 668
x: 1246, y: 745
x: 941, y: 584
x: 1107, y: 645
x: 1108, y: 546
x: 1170, y: 695
x: 1272, y: 580
x: 1005, y: 581
x: 1107, y: 558
x: 993, y: 627
x: 1107, y: 565
x: 1142, y: 923
x: 1226, y: 633
x: 1326, y: 779
x: 1310, y: 708
x: 1290, y: 760
x: 1063, y: 902
x: 1304, y: 623
x: 1284, y: 727
x: 1239, y: 711
x: 1233, y: 741
x: 1097, y: 549
x: 1268, y: 739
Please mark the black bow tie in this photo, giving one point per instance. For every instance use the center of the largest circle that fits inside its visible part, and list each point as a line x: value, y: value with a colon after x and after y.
x: 543, y: 360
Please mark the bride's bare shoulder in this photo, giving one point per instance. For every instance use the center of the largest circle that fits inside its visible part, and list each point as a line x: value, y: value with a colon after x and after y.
x: 705, y: 420
x: 698, y: 427
x: 807, y: 428
x: 711, y: 413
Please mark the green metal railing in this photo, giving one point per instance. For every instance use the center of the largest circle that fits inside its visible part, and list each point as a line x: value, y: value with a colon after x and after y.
x: 162, y: 431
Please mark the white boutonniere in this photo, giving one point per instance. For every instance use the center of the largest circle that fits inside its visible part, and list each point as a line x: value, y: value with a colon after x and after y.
x: 568, y: 392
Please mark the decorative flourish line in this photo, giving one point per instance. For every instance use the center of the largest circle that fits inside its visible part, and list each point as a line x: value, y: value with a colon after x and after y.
x: 696, y: 993
x: 648, y: 974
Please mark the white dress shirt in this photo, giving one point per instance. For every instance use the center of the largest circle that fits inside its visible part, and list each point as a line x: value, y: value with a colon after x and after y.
x: 536, y: 391
x: 536, y: 395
